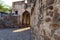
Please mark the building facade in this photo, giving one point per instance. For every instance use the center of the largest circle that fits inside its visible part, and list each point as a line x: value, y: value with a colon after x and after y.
x: 23, y: 10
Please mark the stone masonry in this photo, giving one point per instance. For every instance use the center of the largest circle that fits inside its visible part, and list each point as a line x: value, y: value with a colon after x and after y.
x: 46, y: 20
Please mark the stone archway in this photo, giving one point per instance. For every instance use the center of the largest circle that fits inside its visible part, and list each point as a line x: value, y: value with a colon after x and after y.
x: 26, y: 18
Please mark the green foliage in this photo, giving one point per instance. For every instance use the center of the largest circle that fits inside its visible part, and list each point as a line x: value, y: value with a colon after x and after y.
x: 4, y: 8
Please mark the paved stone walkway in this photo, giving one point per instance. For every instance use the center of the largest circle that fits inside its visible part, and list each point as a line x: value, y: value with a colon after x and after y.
x: 15, y: 34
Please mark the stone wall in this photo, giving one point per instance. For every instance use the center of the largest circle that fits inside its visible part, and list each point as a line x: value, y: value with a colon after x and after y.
x: 10, y: 22
x: 46, y: 22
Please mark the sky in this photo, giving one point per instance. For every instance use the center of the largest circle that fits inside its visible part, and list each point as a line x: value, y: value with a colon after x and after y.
x: 9, y: 2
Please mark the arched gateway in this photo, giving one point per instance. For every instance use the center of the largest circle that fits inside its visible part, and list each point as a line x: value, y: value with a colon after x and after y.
x: 26, y: 18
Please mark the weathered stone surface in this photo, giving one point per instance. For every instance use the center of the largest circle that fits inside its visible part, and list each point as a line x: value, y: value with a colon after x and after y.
x: 9, y: 22
x: 48, y: 25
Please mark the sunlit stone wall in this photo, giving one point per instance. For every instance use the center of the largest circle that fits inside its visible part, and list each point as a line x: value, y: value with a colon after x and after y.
x: 21, y: 7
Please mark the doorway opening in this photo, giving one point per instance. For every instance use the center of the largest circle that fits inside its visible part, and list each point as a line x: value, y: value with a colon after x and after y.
x: 26, y: 19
